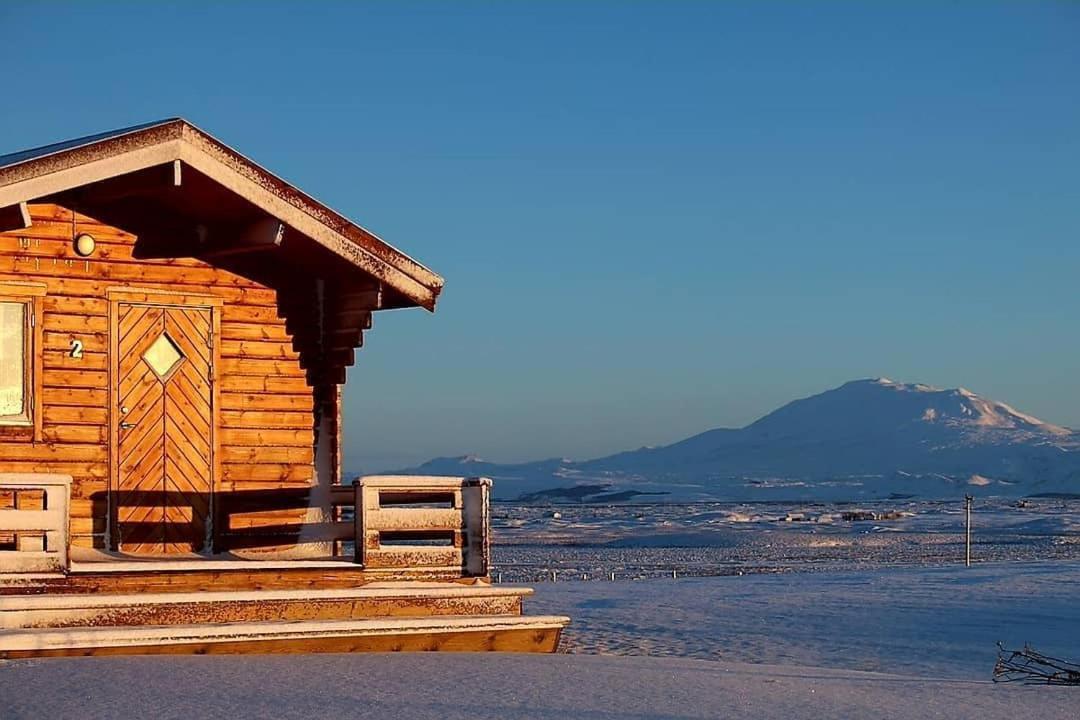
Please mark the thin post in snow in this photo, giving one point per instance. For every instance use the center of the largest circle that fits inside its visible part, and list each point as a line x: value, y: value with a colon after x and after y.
x: 674, y: 574
x: 612, y: 576
x: 967, y: 530
x: 553, y: 577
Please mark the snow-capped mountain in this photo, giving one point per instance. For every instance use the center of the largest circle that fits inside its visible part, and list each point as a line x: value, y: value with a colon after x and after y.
x: 865, y: 439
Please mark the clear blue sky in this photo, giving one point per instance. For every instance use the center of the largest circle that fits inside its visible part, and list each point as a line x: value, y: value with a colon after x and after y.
x: 653, y: 218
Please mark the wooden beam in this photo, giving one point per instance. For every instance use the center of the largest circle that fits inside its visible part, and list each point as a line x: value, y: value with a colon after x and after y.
x: 303, y: 328
x: 342, y: 346
x: 337, y: 357
x: 393, y: 300
x: 166, y: 238
x: 148, y: 181
x: 15, y: 217
x: 349, y: 318
x: 331, y: 376
x: 265, y: 234
x: 291, y: 306
x: 344, y: 357
x: 371, y: 299
x: 344, y: 337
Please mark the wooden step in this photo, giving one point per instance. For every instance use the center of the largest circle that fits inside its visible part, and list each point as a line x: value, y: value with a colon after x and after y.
x: 399, y: 599
x: 139, y: 577
x: 458, y: 634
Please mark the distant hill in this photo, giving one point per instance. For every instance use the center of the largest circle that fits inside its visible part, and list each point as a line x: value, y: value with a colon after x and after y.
x: 863, y: 440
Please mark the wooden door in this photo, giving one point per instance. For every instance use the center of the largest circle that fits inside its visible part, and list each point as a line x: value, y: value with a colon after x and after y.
x: 163, y: 368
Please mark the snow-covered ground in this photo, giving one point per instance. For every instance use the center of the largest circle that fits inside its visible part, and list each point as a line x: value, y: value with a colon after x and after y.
x: 732, y: 538
x: 932, y: 622
x: 495, y: 687
x: 831, y: 617
x: 795, y: 646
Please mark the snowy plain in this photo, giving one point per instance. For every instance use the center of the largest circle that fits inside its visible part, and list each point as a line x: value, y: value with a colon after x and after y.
x: 494, y: 687
x: 778, y: 610
x: 941, y: 622
x: 704, y: 539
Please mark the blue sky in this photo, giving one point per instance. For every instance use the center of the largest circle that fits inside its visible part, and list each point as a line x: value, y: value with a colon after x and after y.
x: 653, y: 218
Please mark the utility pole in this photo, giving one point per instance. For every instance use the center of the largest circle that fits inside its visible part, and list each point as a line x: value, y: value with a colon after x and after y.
x: 967, y: 543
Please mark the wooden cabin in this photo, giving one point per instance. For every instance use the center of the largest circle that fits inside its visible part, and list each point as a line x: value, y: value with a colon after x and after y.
x: 175, y: 328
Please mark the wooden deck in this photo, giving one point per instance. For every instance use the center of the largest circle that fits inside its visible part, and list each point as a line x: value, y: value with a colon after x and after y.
x: 279, y: 610
x: 377, y: 600
x: 405, y: 595
x: 457, y: 634
x: 96, y: 572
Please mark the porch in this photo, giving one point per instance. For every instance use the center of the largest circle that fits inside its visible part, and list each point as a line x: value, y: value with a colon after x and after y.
x: 411, y: 573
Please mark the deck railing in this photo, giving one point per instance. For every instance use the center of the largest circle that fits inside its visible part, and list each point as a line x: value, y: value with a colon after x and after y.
x: 430, y: 525
x: 34, y: 522
x: 400, y: 526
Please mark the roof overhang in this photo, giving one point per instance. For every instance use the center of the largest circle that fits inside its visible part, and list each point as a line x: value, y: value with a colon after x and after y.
x: 53, y: 170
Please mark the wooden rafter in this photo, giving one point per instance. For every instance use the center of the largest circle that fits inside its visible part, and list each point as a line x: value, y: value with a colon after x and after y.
x: 14, y: 217
x: 135, y: 184
x: 259, y: 236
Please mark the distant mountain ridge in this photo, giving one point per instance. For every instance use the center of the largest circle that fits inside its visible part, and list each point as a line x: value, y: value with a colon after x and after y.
x: 866, y: 439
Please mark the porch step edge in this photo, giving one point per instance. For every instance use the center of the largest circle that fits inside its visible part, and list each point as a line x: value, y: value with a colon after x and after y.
x: 372, y: 591
x: 48, y: 640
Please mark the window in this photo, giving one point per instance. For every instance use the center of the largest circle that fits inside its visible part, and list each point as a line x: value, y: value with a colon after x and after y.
x: 15, y: 392
x: 20, y: 360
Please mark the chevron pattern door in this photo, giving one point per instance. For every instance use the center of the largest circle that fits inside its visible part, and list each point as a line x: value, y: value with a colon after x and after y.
x: 164, y: 413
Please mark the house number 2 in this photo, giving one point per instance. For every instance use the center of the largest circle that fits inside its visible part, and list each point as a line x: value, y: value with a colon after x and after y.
x: 76, y: 349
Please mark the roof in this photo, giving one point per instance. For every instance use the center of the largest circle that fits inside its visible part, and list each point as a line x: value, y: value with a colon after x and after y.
x: 30, y: 175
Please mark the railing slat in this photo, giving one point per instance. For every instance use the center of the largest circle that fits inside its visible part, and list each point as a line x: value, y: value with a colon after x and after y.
x: 415, y: 556
x: 415, y: 519
x: 30, y: 520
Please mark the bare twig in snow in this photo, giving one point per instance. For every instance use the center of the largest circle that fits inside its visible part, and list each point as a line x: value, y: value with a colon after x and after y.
x: 1028, y: 666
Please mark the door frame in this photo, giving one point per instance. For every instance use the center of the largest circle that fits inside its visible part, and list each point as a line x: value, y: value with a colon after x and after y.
x: 156, y: 297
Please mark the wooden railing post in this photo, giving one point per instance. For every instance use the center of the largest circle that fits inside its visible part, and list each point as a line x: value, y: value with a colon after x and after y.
x: 422, y: 526
x: 43, y: 534
x: 359, y: 517
x: 475, y: 496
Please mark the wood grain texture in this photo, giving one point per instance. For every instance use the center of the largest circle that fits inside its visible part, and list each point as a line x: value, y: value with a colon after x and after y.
x: 165, y: 471
x: 255, y: 578
x: 302, y: 605
x: 544, y: 640
x: 261, y: 384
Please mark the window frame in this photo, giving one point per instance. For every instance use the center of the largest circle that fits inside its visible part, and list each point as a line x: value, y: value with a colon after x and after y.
x: 27, y: 427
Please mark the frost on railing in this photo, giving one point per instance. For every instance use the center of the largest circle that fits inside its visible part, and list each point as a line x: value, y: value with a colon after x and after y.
x: 34, y: 522
x: 432, y: 525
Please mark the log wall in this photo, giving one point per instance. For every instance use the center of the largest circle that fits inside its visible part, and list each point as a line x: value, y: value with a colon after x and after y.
x: 266, y: 416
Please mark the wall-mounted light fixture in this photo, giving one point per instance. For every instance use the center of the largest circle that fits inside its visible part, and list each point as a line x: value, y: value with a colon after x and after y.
x: 84, y: 245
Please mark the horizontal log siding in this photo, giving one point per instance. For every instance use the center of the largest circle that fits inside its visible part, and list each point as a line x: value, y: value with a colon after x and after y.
x: 266, y: 414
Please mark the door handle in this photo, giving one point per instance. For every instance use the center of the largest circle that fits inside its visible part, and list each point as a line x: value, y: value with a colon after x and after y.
x: 126, y: 425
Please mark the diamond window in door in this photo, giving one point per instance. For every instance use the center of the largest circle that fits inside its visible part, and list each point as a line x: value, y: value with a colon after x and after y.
x: 163, y: 356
